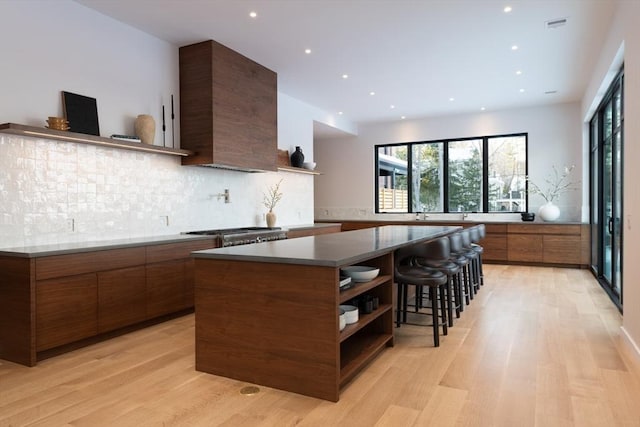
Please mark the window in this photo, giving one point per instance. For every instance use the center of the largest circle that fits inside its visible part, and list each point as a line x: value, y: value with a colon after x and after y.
x: 482, y: 174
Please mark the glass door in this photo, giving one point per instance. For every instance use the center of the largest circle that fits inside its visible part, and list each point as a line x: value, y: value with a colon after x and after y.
x: 606, y: 191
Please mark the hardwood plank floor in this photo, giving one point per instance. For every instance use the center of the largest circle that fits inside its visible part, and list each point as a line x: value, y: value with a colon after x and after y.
x: 536, y: 347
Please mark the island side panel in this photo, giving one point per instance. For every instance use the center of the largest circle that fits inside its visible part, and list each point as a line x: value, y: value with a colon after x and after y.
x: 17, y: 310
x: 269, y: 324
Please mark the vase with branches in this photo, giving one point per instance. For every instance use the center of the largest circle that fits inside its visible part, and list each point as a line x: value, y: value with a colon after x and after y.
x: 556, y: 184
x: 270, y: 200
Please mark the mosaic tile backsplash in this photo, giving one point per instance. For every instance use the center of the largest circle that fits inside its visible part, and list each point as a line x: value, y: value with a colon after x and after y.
x: 58, y: 192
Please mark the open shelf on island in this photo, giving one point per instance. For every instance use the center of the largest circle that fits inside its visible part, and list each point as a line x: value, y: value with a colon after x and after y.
x: 66, y: 136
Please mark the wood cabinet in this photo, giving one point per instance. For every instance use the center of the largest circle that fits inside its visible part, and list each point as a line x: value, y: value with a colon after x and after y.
x: 121, y: 298
x: 554, y: 244
x: 228, y: 108
x: 66, y: 310
x: 565, y: 244
x: 51, y: 301
x: 290, y: 313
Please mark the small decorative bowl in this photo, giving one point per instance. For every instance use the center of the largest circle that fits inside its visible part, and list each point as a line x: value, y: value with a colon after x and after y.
x: 309, y: 165
x: 350, y: 313
x: 528, y: 216
x: 361, y: 273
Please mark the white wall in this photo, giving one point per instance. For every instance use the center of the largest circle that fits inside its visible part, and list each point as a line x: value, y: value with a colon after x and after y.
x: 624, y: 36
x: 554, y: 139
x: 51, y: 46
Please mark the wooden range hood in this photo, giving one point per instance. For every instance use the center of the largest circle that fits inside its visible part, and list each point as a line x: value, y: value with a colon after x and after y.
x: 228, y: 109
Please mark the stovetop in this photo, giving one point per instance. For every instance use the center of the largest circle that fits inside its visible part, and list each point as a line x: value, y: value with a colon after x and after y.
x: 231, y: 231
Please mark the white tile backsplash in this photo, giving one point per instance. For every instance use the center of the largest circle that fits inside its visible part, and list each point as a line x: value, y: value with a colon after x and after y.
x: 110, y: 193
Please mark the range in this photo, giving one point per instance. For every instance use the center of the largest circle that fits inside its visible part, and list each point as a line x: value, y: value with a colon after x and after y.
x: 245, y: 235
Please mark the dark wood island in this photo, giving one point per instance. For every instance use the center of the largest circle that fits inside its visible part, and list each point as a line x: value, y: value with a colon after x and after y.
x: 267, y: 313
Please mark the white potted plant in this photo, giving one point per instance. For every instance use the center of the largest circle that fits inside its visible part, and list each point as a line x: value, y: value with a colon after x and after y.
x: 555, y: 185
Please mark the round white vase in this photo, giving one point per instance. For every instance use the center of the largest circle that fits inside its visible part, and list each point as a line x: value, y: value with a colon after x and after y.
x: 549, y: 212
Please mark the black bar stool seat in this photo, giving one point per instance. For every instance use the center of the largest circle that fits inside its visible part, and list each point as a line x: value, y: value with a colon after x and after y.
x: 409, y: 273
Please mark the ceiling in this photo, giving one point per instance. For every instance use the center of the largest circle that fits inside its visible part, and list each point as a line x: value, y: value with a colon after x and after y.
x: 424, y: 57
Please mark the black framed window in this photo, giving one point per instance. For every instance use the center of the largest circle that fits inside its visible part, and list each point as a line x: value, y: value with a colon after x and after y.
x: 479, y: 174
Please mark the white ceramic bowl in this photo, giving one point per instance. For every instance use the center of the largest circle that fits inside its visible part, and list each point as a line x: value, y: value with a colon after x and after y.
x: 361, y: 273
x: 350, y: 313
x: 342, y: 318
x: 309, y: 165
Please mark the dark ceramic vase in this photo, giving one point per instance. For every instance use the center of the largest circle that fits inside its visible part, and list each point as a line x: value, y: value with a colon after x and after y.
x: 297, y: 158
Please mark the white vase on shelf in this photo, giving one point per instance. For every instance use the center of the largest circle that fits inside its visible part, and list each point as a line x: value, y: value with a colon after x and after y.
x: 549, y: 212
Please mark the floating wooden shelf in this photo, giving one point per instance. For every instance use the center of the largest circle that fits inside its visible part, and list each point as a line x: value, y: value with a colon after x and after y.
x: 60, y: 135
x: 298, y: 170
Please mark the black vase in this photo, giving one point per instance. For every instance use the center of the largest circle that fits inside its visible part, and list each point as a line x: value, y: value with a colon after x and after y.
x: 297, y: 158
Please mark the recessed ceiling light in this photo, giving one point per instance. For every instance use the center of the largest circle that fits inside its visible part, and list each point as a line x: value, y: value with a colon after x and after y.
x: 392, y: 106
x: 372, y: 93
x: 514, y: 47
x: 307, y: 51
x: 507, y: 9
x: 521, y: 90
x: 253, y: 14
x: 518, y: 72
x: 345, y: 76
x: 403, y: 117
x: 340, y: 112
x: 482, y: 108
x: 452, y: 99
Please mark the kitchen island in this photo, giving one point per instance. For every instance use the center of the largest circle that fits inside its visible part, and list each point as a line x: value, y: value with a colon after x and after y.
x: 268, y: 313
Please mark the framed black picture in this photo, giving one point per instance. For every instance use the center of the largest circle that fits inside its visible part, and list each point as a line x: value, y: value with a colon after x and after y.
x: 81, y: 112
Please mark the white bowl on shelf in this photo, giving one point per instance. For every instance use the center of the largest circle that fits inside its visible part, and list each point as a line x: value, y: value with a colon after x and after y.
x: 342, y: 317
x: 350, y: 313
x: 309, y: 165
x: 361, y: 273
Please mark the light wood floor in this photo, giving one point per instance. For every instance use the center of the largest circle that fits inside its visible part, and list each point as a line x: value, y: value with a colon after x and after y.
x: 537, y: 347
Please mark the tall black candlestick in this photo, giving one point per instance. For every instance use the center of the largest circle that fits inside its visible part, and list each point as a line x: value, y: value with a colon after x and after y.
x: 173, y: 134
x: 164, y: 128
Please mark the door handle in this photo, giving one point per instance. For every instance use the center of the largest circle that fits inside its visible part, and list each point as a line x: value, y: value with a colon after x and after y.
x: 610, y: 225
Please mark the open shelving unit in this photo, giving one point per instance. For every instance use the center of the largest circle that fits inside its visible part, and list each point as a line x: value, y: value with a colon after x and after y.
x: 360, y: 342
x: 66, y: 136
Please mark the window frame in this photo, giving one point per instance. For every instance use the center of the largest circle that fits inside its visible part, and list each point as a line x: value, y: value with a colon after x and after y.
x: 445, y: 174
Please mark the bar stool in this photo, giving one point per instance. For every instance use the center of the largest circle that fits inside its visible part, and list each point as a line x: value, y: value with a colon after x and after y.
x: 473, y: 255
x: 407, y: 273
x: 475, y: 245
x: 457, y: 256
x: 438, y: 258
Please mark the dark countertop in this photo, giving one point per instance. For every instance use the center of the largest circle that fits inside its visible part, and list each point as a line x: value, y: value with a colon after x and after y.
x: 331, y: 250
x: 449, y: 221
x: 35, y: 251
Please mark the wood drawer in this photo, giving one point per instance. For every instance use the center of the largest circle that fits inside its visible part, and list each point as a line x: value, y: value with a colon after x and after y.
x: 495, y: 247
x: 524, y: 247
x: 565, y: 229
x: 122, y: 296
x: 88, y: 262
x: 66, y: 310
x: 562, y: 249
